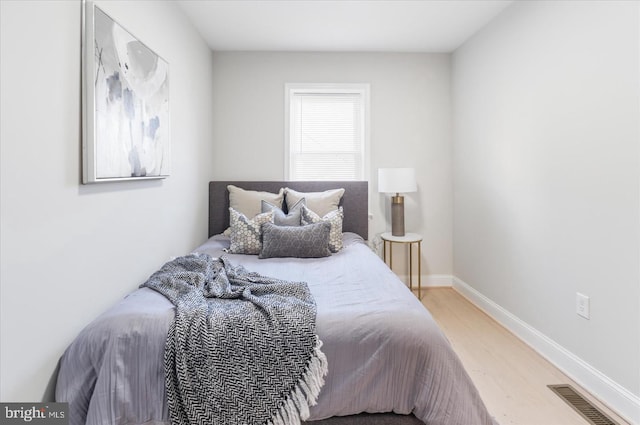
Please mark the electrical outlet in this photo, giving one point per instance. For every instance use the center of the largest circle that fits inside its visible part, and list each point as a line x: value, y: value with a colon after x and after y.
x: 582, y: 305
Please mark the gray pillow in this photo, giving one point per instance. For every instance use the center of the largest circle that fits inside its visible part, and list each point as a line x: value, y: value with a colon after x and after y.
x: 310, y: 241
x: 282, y: 219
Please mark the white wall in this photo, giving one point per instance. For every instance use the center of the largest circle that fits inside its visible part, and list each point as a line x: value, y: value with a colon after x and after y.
x: 410, y: 127
x: 546, y: 175
x: 68, y: 251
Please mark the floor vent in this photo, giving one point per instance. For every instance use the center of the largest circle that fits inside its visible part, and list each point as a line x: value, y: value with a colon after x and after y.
x: 581, y: 405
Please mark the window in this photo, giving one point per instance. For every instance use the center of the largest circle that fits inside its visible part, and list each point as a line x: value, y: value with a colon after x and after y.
x: 326, y: 132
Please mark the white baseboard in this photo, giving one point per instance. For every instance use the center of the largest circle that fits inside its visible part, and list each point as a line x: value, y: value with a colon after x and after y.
x: 618, y: 398
x: 429, y: 280
x: 435, y: 280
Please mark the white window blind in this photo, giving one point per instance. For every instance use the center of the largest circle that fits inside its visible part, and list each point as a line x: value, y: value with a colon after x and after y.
x: 327, y: 133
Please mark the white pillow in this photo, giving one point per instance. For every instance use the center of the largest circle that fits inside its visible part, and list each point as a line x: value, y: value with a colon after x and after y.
x: 249, y: 202
x: 321, y: 203
x: 334, y: 218
x: 246, y: 233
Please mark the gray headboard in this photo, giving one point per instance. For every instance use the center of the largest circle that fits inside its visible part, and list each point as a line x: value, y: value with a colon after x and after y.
x: 354, y: 202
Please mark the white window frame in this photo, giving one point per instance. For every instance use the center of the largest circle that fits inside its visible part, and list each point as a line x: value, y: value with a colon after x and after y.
x: 338, y: 88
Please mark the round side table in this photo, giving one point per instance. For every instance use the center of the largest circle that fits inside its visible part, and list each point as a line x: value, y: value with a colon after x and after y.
x: 408, y: 239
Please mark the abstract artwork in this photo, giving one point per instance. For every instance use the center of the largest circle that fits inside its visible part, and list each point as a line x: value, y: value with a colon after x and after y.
x: 126, y: 104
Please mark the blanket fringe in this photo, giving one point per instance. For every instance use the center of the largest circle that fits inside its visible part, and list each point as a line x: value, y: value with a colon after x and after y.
x: 305, y: 393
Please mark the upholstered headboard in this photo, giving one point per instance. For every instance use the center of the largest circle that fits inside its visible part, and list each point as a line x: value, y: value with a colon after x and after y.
x: 354, y: 201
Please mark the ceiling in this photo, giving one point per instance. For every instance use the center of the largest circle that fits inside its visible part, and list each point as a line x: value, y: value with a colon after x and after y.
x: 340, y: 25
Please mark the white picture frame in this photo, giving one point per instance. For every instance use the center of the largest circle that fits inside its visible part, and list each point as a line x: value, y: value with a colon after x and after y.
x: 125, y: 96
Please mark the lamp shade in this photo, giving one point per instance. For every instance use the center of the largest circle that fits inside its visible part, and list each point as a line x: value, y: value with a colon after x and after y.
x: 396, y: 180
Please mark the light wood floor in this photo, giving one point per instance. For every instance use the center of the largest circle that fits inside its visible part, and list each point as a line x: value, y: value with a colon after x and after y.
x: 511, y: 377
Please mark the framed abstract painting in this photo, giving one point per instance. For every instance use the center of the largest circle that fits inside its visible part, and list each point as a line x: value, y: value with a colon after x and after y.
x: 126, y: 133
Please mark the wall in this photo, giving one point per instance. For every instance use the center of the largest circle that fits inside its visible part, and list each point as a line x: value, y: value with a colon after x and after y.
x: 410, y: 127
x: 546, y: 182
x: 70, y: 251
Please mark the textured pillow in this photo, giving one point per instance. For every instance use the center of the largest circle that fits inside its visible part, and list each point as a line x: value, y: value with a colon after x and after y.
x: 248, y: 202
x: 334, y: 218
x: 246, y: 233
x: 310, y: 241
x: 322, y: 203
x: 282, y: 219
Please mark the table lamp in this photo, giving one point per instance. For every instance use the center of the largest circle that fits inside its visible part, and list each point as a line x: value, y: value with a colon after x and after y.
x: 397, y: 180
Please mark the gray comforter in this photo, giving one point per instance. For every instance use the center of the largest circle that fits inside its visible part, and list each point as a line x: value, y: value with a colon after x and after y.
x: 384, y: 350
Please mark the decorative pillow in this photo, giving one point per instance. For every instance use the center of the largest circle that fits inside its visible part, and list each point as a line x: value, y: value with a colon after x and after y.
x: 310, y: 241
x: 322, y: 203
x: 246, y: 234
x: 282, y: 219
x: 247, y: 202
x: 334, y: 218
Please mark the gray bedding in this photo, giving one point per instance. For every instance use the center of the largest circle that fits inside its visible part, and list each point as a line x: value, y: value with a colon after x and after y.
x: 385, y: 352
x: 238, y: 332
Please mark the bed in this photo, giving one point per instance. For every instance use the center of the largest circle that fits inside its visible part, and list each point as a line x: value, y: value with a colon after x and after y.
x: 389, y: 363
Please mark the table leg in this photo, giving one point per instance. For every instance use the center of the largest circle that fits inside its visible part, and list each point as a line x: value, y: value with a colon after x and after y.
x: 411, y: 267
x: 419, y: 271
x: 384, y: 251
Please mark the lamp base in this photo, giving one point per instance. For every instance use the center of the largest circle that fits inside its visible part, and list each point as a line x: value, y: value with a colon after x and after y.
x: 397, y: 215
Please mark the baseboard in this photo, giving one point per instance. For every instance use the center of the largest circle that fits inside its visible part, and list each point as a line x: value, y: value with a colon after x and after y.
x: 435, y: 280
x: 618, y: 398
x: 429, y: 280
